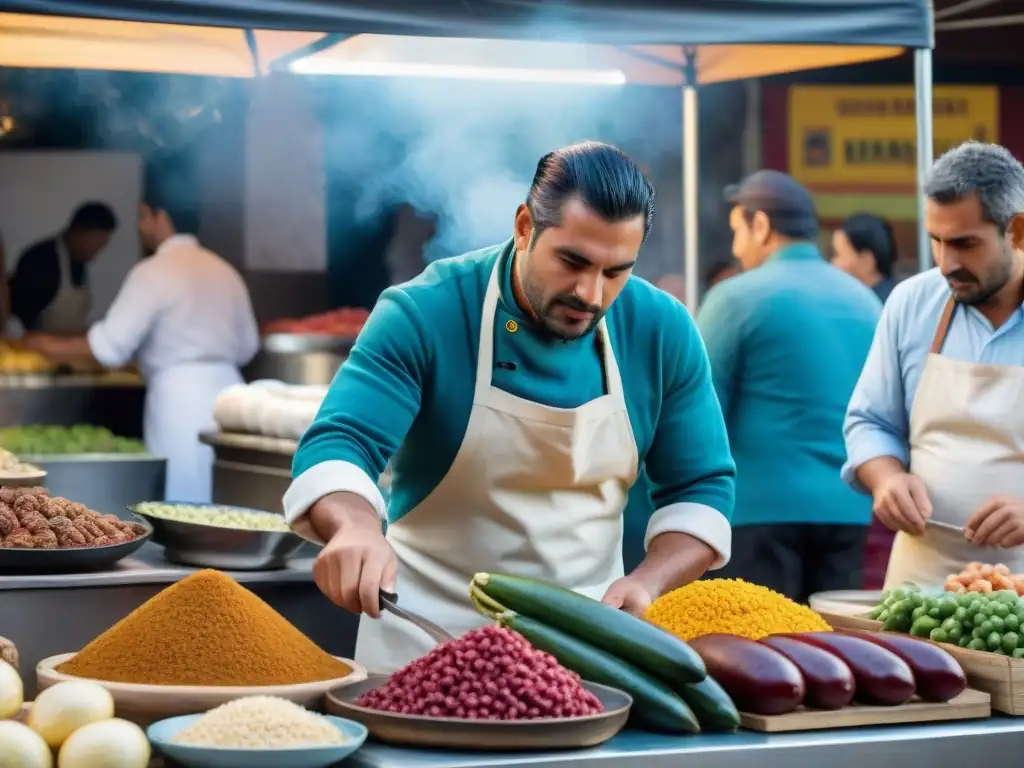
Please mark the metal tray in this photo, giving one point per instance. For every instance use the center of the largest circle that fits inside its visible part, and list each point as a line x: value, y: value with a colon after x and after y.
x: 456, y: 733
x: 39, y: 561
x: 229, y: 549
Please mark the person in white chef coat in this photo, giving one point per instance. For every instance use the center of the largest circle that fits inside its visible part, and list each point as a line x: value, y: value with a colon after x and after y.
x: 185, y: 315
x: 934, y: 430
x: 518, y: 391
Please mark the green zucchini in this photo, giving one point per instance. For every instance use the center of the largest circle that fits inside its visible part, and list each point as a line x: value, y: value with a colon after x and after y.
x: 712, y: 705
x: 642, y: 644
x: 655, y: 706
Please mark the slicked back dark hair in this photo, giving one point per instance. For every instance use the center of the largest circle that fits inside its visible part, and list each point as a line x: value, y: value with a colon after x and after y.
x: 986, y: 170
x: 602, y: 176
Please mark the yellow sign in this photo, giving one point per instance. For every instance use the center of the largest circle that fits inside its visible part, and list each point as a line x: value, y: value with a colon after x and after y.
x: 861, y: 138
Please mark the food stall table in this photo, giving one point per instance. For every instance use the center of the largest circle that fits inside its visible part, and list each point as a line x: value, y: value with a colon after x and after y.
x: 46, y: 615
x: 947, y: 744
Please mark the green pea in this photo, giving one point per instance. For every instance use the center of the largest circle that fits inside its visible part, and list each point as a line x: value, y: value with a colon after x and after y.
x: 938, y: 636
x: 924, y: 626
x: 1010, y: 640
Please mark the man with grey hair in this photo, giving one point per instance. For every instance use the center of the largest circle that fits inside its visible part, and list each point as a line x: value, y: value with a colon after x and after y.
x: 935, y: 427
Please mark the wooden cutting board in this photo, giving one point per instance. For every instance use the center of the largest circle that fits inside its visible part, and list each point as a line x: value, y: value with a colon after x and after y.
x: 969, y: 705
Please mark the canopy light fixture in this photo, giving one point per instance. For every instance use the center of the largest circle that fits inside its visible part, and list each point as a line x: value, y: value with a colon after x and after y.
x: 328, y: 66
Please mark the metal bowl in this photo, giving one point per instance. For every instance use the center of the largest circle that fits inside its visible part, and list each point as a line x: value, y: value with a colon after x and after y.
x: 504, y: 735
x: 229, y: 549
x: 71, y: 560
x: 24, y: 480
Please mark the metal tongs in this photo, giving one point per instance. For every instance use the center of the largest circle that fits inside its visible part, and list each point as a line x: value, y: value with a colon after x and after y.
x: 389, y: 602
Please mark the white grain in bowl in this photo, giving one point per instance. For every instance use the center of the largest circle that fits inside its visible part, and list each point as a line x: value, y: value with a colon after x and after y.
x: 259, y: 722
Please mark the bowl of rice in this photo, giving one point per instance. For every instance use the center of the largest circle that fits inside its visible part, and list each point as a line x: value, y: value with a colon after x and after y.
x: 257, y: 732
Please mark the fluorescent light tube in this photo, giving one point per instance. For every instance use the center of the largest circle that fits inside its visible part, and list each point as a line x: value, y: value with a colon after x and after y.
x: 328, y: 66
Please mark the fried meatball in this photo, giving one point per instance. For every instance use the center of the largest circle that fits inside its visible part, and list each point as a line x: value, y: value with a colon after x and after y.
x: 45, y: 539
x: 8, y: 521
x: 25, y: 505
x: 69, y: 537
x: 34, y: 523
x: 20, y: 539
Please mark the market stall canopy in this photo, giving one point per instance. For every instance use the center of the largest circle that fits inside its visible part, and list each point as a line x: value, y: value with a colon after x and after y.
x: 904, y: 23
x: 41, y: 41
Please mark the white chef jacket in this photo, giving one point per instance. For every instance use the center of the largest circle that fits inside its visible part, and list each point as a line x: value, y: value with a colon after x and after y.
x: 185, y: 314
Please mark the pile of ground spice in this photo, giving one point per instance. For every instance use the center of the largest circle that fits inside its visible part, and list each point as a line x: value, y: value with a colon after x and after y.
x: 206, y: 630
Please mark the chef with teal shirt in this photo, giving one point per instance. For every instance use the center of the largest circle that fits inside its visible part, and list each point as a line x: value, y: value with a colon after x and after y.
x: 517, y: 391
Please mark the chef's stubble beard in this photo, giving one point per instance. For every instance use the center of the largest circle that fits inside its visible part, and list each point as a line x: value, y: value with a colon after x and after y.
x: 993, y: 286
x: 534, y: 294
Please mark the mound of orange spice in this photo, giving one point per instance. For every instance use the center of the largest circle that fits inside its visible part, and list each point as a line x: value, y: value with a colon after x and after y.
x: 205, y: 630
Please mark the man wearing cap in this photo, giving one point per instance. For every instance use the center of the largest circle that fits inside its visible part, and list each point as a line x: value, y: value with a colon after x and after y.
x: 787, y: 339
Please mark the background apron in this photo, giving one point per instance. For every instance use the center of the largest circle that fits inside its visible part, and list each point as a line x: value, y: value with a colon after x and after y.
x: 966, y: 445
x: 68, y: 313
x: 179, y: 405
x: 533, y: 491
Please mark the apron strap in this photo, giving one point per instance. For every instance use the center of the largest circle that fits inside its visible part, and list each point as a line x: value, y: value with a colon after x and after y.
x: 943, y: 328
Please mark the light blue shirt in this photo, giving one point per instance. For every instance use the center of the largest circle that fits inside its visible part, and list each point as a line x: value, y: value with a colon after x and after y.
x: 878, y: 419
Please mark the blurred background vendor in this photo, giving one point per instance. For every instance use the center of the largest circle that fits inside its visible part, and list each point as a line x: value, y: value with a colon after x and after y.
x: 50, y: 286
x: 865, y: 247
x: 185, y: 314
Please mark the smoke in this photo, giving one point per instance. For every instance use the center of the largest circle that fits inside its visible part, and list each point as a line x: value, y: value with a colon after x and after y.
x: 465, y: 151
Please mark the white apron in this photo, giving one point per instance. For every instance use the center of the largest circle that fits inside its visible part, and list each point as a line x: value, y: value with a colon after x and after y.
x: 179, y: 405
x: 68, y: 313
x: 966, y: 445
x: 534, y: 491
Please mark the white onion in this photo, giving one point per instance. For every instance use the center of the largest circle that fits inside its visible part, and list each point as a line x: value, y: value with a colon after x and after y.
x: 12, y: 692
x: 107, y: 744
x: 21, y: 747
x: 58, y: 711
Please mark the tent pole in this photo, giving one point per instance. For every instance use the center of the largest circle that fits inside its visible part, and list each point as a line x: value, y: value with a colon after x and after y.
x: 923, y: 113
x: 691, y: 219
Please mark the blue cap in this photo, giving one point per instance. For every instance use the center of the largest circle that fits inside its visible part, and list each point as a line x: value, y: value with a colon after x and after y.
x: 785, y: 201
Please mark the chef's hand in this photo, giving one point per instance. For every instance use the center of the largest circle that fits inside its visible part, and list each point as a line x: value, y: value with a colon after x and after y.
x: 999, y: 522
x: 629, y: 594
x: 40, y: 343
x: 357, y: 562
x: 901, y: 503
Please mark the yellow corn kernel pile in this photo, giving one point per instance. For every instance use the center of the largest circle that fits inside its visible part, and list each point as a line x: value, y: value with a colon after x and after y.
x: 730, y: 606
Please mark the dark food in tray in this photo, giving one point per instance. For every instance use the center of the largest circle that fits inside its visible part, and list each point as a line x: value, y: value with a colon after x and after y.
x: 31, y: 519
x: 487, y: 674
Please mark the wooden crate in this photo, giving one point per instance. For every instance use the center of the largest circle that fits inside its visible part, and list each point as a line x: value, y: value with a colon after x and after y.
x: 1000, y: 676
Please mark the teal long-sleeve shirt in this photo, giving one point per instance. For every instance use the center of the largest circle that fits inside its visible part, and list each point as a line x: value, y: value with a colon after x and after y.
x: 406, y: 391
x: 787, y: 343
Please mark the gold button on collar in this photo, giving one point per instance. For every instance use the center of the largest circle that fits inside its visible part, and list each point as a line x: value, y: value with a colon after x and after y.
x: 511, y: 326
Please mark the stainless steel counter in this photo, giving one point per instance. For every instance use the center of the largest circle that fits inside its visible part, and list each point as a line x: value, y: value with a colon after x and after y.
x: 47, y: 615
x: 954, y: 745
